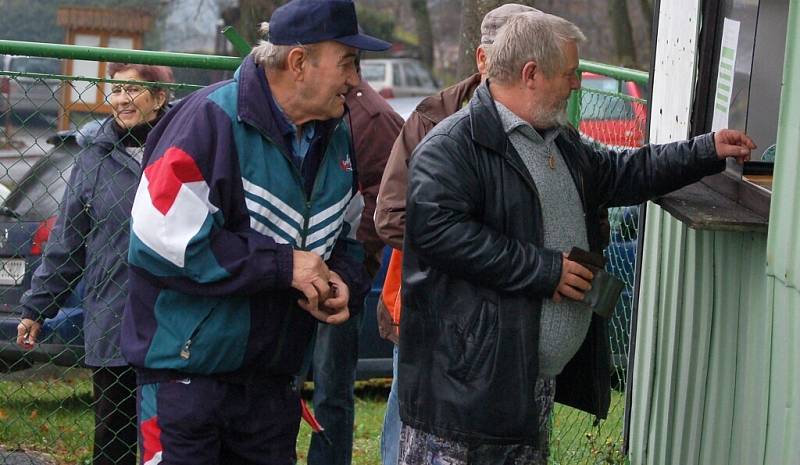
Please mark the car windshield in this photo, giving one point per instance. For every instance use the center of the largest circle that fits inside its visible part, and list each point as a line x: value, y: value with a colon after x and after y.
x: 373, y: 72
x: 420, y: 74
x: 35, y: 65
x: 599, y: 106
x: 37, y: 196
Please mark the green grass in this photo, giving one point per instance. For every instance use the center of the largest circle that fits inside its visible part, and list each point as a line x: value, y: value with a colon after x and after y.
x: 53, y: 416
x: 575, y: 441
x: 370, y: 406
x: 50, y: 415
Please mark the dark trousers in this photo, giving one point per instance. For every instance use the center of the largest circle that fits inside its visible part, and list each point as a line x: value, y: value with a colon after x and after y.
x: 335, y: 359
x: 205, y: 421
x: 114, y: 415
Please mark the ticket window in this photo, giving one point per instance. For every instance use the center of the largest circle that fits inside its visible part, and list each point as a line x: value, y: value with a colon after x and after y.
x: 754, y: 33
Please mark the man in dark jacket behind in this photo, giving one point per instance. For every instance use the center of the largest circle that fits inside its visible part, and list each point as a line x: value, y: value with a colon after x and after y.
x: 390, y: 210
x: 497, y: 193
x: 374, y: 126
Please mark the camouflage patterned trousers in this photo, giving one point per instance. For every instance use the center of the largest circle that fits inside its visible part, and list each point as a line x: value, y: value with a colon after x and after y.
x: 420, y: 448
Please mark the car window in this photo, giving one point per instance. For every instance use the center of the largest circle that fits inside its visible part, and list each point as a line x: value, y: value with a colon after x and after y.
x: 423, y: 76
x: 38, y: 195
x: 396, y: 78
x: 598, y: 106
x: 35, y: 65
x: 411, y: 75
x: 373, y: 72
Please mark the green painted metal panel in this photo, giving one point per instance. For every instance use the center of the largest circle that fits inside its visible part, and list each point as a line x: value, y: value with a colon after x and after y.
x: 783, y: 266
x: 783, y: 438
x: 753, y: 354
x: 783, y: 244
x: 702, y: 337
x: 717, y: 368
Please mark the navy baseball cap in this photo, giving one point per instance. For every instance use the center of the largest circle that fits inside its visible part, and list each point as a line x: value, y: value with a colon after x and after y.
x: 313, y: 21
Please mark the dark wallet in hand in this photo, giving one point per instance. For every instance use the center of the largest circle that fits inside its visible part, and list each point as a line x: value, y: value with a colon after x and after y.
x: 606, y: 288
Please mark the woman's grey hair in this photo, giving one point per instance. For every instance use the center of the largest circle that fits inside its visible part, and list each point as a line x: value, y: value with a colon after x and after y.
x: 272, y: 56
x: 533, y: 36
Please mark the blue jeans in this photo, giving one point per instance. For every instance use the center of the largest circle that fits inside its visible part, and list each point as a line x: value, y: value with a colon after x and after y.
x: 334, y: 359
x: 390, y: 437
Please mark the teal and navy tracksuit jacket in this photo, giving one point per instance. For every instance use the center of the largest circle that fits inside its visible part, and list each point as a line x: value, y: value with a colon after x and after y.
x: 219, y: 209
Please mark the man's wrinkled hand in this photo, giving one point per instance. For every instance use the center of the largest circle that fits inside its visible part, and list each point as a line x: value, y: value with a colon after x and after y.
x: 28, y: 333
x: 335, y: 308
x: 575, y: 281
x: 310, y: 275
x: 734, y: 144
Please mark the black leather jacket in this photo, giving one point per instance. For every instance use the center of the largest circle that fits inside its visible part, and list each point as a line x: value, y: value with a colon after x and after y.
x: 475, y: 272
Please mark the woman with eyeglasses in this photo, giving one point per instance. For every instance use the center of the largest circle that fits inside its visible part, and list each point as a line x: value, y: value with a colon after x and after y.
x: 89, y: 245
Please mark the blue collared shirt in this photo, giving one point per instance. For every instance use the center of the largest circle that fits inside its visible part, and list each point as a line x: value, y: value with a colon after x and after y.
x: 298, y: 145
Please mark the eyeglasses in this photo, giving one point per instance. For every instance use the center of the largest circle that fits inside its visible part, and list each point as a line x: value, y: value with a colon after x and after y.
x: 131, y: 90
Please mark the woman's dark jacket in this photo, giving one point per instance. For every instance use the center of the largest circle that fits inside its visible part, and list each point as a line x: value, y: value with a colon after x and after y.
x: 475, y: 272
x: 90, y: 241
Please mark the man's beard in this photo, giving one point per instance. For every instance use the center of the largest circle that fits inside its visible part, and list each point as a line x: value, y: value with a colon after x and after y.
x: 553, y: 117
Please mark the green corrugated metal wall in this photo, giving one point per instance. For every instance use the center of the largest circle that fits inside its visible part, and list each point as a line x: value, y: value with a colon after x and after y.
x: 702, y: 347
x: 717, y: 369
x: 783, y: 266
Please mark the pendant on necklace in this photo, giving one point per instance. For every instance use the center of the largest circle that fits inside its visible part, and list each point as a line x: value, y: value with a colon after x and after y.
x: 551, y: 162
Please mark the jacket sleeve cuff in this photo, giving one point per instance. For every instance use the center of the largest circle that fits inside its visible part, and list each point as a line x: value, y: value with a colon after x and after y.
x: 708, y: 151
x: 552, y: 262
x: 284, y: 259
x: 30, y: 314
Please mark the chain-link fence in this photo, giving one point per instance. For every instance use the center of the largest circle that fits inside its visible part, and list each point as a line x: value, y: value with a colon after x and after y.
x: 63, y: 151
x: 610, y: 111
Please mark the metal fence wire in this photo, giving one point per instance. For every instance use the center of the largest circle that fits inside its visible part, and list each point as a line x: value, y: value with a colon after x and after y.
x: 49, y: 418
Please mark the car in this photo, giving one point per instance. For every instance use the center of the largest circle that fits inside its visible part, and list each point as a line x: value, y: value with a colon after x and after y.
x: 613, y: 120
x: 26, y: 218
x: 398, y: 77
x: 37, y: 97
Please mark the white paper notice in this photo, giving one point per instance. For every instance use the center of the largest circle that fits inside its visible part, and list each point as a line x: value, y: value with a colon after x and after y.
x: 725, y: 73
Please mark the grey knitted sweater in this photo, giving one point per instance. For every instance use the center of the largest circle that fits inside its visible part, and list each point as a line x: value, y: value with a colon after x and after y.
x: 563, y: 325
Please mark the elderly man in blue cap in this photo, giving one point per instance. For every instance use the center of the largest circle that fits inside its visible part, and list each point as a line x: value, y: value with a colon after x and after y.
x: 242, y: 238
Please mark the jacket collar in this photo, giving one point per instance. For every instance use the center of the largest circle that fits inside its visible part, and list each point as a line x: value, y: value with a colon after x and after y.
x: 439, y: 106
x: 487, y: 126
x: 257, y: 107
x: 108, y: 140
x: 487, y: 129
x: 254, y: 101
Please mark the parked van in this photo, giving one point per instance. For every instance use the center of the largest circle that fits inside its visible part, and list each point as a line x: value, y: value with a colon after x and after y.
x: 28, y: 95
x: 398, y: 77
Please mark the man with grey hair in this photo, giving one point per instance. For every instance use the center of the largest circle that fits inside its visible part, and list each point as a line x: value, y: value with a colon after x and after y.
x: 493, y: 307
x: 243, y: 237
x: 391, y: 204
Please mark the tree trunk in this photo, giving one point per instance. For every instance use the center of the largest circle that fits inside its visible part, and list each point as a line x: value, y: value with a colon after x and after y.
x: 623, y: 32
x: 647, y: 12
x: 424, y: 31
x: 472, y: 13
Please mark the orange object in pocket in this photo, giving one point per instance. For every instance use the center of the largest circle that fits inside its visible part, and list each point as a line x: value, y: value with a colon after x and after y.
x: 391, y: 285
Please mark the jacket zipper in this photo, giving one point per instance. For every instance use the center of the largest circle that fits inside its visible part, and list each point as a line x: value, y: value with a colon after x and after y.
x: 306, y: 219
x: 187, y: 345
x: 299, y: 178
